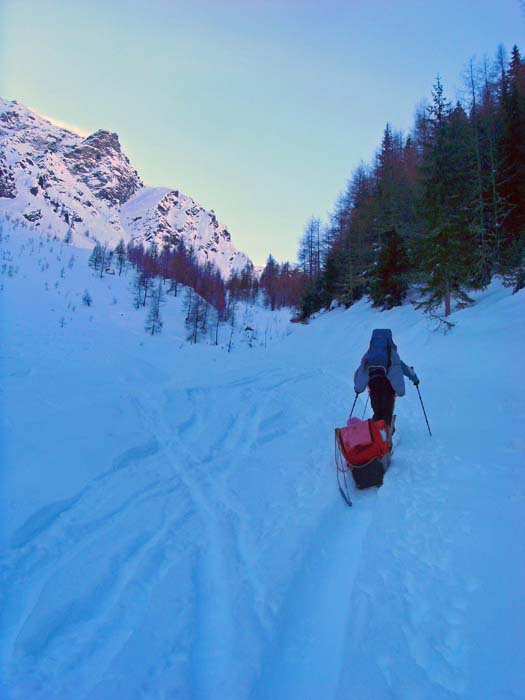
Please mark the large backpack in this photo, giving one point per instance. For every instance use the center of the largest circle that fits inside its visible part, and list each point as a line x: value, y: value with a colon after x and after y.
x: 378, y: 354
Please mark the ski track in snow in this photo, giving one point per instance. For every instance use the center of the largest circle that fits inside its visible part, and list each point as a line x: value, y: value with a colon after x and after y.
x: 209, y: 554
x: 51, y: 543
x: 100, y: 608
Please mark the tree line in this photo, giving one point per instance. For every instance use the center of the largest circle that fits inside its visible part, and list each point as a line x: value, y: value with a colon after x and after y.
x: 441, y: 209
x: 209, y: 300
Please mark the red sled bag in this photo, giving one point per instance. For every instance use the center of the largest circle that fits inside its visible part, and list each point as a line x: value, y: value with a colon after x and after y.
x: 362, y: 441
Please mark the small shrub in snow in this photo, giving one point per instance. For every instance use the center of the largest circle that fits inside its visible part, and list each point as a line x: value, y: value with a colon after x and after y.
x: 87, y: 299
x: 438, y: 324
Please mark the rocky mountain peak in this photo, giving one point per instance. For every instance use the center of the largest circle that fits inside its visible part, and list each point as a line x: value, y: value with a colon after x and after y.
x: 98, y: 161
x: 101, y: 142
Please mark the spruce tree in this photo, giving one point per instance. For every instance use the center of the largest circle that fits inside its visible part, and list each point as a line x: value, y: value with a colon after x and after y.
x: 446, y: 250
x: 330, y: 277
x: 390, y: 281
x: 269, y: 281
x: 512, y: 185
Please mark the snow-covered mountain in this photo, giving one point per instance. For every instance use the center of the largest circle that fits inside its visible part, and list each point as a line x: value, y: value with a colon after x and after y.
x: 63, y: 182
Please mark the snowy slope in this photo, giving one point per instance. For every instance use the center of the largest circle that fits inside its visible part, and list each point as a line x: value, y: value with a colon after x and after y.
x: 173, y: 527
x: 62, y: 182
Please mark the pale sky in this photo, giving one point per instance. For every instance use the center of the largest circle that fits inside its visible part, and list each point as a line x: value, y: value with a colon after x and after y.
x: 258, y: 109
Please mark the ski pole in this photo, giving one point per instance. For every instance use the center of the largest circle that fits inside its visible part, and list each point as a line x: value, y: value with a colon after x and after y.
x: 424, y: 412
x: 366, y: 404
x: 356, y: 395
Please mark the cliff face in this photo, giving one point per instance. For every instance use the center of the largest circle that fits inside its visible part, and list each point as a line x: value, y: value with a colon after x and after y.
x: 7, y: 179
x: 99, y: 163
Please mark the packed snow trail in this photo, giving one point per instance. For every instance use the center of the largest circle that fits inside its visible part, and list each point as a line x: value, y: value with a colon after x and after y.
x: 174, y: 528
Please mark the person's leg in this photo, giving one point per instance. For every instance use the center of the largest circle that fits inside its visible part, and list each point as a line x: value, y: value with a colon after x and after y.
x: 382, y: 398
x: 390, y: 399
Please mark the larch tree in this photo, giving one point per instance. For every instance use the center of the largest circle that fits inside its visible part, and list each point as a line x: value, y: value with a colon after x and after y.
x: 121, y: 256
x: 154, y: 321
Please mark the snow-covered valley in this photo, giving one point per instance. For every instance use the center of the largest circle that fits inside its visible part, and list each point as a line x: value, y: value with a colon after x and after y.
x: 172, y: 526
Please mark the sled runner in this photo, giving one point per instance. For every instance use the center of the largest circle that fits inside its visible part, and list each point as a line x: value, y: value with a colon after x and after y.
x: 362, y: 449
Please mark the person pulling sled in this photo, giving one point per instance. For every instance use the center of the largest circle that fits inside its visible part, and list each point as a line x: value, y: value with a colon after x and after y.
x: 363, y: 447
x: 382, y: 370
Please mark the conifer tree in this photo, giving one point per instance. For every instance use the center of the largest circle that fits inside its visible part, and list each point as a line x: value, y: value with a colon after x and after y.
x: 330, y: 278
x: 96, y: 259
x: 120, y: 254
x: 100, y: 258
x: 484, y: 249
x: 489, y: 121
x: 446, y: 250
x: 154, y: 321
x: 305, y: 289
x: 390, y: 281
x: 512, y: 186
x: 309, y: 255
x: 269, y: 281
x: 387, y: 195
x: 195, y: 317
x: 231, y: 314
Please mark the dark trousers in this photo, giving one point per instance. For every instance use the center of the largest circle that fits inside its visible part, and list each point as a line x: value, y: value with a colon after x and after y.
x: 382, y: 398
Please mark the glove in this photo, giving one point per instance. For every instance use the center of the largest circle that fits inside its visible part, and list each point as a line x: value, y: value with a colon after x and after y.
x: 415, y: 379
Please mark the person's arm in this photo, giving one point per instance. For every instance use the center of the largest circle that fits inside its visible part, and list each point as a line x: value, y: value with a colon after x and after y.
x: 410, y: 373
x: 361, y: 377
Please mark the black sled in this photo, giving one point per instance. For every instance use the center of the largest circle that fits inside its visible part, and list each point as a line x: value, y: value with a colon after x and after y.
x: 371, y: 474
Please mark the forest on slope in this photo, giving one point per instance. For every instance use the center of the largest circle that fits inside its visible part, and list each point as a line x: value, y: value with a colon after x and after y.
x: 442, y: 208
